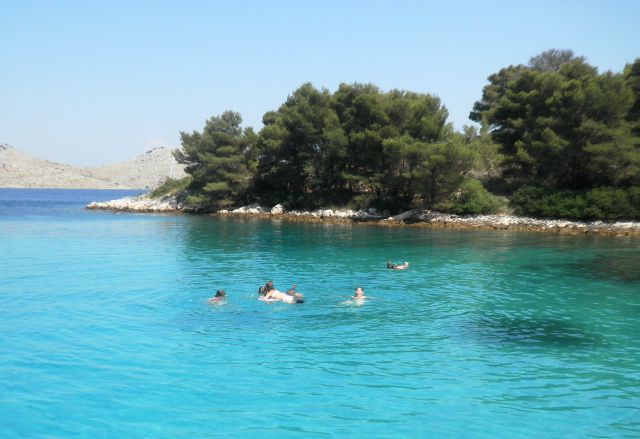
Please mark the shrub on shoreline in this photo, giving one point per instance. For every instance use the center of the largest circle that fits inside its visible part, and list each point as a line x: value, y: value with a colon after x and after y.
x: 471, y: 199
x: 603, y: 203
x: 171, y: 186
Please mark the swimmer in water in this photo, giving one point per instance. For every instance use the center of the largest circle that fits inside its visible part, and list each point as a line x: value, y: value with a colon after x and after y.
x: 221, y: 296
x: 266, y: 288
x: 290, y: 296
x: 392, y: 266
x: 359, y: 294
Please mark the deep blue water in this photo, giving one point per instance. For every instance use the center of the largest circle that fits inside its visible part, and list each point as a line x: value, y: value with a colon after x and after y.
x: 105, y: 328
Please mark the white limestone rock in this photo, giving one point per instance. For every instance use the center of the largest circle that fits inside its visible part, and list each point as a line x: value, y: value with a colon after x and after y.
x: 250, y: 209
x: 139, y: 204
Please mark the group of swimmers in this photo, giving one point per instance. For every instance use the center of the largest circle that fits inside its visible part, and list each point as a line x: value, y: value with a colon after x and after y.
x: 268, y: 293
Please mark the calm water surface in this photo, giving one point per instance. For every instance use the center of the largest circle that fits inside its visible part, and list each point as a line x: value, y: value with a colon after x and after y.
x: 105, y: 329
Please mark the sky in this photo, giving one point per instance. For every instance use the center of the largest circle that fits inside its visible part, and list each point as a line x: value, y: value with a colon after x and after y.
x: 90, y: 83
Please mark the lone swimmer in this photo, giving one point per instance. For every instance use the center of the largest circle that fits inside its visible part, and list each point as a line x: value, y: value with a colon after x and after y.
x: 220, y: 296
x: 392, y: 266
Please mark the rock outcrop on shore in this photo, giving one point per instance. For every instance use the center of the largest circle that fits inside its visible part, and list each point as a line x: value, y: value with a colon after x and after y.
x: 415, y: 217
x: 525, y: 223
x: 20, y: 170
x: 141, y: 203
x: 278, y: 209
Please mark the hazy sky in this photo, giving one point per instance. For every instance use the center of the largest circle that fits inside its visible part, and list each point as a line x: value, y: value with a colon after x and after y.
x: 92, y: 82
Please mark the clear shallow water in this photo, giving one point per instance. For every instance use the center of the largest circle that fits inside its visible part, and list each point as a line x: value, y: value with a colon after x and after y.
x: 105, y: 330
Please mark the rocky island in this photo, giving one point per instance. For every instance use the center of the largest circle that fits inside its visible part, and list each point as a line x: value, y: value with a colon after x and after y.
x: 21, y: 170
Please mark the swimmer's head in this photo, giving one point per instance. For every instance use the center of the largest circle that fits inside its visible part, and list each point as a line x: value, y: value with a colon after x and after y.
x: 220, y: 293
x: 359, y: 291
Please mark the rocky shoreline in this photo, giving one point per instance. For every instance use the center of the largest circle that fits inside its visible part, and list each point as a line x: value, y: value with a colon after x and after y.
x: 141, y: 203
x: 412, y: 218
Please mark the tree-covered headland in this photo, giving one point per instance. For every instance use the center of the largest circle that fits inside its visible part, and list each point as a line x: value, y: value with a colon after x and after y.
x: 554, y: 137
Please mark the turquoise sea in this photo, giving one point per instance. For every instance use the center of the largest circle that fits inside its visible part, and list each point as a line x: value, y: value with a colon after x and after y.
x: 105, y: 328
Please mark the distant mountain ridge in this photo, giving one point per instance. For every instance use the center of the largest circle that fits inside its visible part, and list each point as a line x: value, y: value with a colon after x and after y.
x: 20, y: 170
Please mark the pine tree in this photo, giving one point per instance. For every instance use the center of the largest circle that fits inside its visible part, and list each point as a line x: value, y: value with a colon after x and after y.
x: 221, y: 161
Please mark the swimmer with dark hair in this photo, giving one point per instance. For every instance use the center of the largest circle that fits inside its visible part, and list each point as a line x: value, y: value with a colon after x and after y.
x: 266, y: 288
x: 392, y: 266
x: 221, y: 296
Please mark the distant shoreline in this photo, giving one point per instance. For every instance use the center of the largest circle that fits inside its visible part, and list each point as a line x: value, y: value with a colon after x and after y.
x: 19, y: 170
x: 415, y: 218
x: 78, y: 188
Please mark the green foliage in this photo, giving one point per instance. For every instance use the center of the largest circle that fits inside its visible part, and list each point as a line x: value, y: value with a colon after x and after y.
x: 604, y: 203
x: 559, y: 135
x: 487, y: 157
x: 302, y: 149
x: 358, y: 145
x: 221, y: 161
x: 443, y: 169
x: 569, y: 136
x: 474, y: 199
x: 171, y: 186
x: 552, y: 60
x: 562, y: 125
x: 632, y: 77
